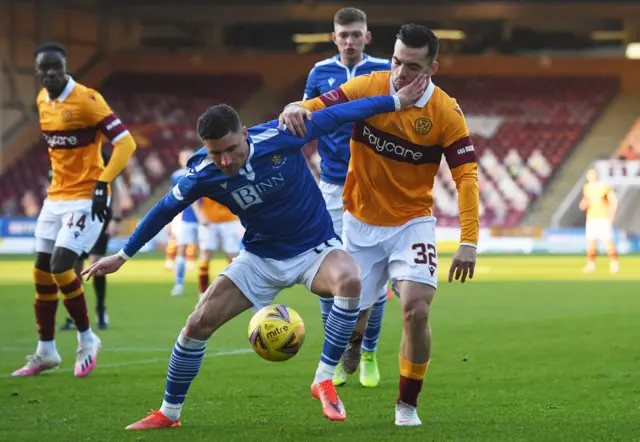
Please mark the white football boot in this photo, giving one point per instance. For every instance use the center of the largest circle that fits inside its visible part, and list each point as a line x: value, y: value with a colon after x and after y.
x: 177, y: 290
x: 407, y: 415
x: 39, y: 362
x: 87, y: 356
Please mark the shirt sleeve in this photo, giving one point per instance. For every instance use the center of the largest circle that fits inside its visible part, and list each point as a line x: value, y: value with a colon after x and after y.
x: 99, y: 114
x: 461, y: 158
x: 311, y: 86
x: 330, y: 119
x: 351, y: 90
x: 179, y: 198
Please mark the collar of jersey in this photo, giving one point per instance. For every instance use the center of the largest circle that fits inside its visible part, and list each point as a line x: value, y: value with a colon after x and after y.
x: 422, y: 102
x: 247, y: 169
x: 340, y: 63
x: 67, y: 90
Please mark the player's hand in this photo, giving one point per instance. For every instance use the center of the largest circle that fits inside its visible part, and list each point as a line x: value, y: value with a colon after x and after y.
x: 463, y: 264
x: 412, y: 92
x: 106, y: 265
x: 583, y: 205
x: 113, y: 228
x: 99, y: 201
x: 294, y: 116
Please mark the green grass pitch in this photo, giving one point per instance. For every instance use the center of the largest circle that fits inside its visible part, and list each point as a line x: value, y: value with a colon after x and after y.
x: 531, y: 349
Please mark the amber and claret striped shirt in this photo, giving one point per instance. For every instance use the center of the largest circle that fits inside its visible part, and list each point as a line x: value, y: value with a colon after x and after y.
x: 72, y: 126
x: 395, y: 156
x: 216, y: 212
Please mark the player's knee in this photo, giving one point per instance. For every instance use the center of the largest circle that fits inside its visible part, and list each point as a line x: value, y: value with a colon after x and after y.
x: 198, y: 327
x: 43, y: 262
x: 415, y: 312
x: 201, y: 324
x: 348, y: 277
x: 349, y: 285
x: 60, y: 265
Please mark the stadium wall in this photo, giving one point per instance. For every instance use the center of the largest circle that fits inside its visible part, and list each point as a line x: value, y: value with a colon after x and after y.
x: 16, y: 237
x: 270, y: 66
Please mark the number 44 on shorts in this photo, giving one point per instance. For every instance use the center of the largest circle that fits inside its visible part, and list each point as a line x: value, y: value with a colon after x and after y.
x: 80, y: 222
x: 426, y: 254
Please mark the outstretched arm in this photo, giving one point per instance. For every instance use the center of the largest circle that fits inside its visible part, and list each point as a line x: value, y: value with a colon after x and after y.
x: 332, y: 118
x: 296, y: 115
x: 158, y: 217
x: 181, y: 196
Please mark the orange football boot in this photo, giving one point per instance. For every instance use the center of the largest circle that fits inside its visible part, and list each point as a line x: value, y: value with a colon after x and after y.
x: 155, y: 419
x: 332, y: 406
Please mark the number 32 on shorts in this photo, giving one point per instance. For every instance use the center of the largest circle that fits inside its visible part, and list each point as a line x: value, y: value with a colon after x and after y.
x: 425, y: 254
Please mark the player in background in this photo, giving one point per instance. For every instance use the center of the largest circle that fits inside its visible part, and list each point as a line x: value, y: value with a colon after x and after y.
x: 390, y: 231
x: 350, y: 36
x: 171, y: 248
x: 110, y: 229
x: 261, y: 175
x: 221, y: 230
x: 72, y: 216
x: 600, y: 202
x: 186, y: 229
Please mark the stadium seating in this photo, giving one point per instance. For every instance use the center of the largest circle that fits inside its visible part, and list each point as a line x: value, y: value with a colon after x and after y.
x: 160, y: 110
x: 523, y: 129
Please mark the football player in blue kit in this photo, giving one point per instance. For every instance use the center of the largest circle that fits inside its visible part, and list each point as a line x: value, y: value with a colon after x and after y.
x: 186, y: 228
x: 261, y: 175
x: 350, y: 36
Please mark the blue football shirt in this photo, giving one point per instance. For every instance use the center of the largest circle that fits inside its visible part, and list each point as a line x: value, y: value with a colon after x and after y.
x: 188, y: 215
x: 325, y: 76
x: 274, y: 194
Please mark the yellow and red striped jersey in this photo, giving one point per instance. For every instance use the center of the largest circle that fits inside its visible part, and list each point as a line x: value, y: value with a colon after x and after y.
x: 395, y: 156
x: 73, y: 125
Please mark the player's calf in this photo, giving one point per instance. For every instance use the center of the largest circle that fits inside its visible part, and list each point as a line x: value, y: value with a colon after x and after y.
x: 415, y: 347
x: 203, y: 274
x: 338, y: 274
x: 62, y: 268
x: 221, y: 302
x: 46, y: 303
x: 71, y: 287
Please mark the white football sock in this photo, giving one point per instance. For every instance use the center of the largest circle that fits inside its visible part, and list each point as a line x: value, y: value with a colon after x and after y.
x: 46, y: 347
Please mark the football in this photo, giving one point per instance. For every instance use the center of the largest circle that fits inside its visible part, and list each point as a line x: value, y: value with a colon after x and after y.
x: 276, y: 332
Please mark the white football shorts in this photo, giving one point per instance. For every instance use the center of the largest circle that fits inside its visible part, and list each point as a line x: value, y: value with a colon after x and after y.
x: 261, y: 279
x: 175, y: 225
x: 332, y: 194
x: 66, y: 224
x: 399, y: 253
x: 186, y: 233
x: 225, y: 236
x: 599, y: 229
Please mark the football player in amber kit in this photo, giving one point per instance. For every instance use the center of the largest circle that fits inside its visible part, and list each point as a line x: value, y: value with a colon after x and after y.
x: 600, y: 203
x: 73, y: 119
x: 389, y: 227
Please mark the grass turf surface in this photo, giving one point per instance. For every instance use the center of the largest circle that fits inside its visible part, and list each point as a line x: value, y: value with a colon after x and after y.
x: 532, y: 349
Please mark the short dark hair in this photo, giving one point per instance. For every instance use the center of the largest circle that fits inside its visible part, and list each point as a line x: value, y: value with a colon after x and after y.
x: 217, y: 121
x: 418, y: 36
x: 346, y: 16
x: 50, y: 47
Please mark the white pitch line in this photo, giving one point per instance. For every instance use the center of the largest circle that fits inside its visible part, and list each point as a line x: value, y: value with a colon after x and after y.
x: 104, y: 349
x: 240, y: 351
